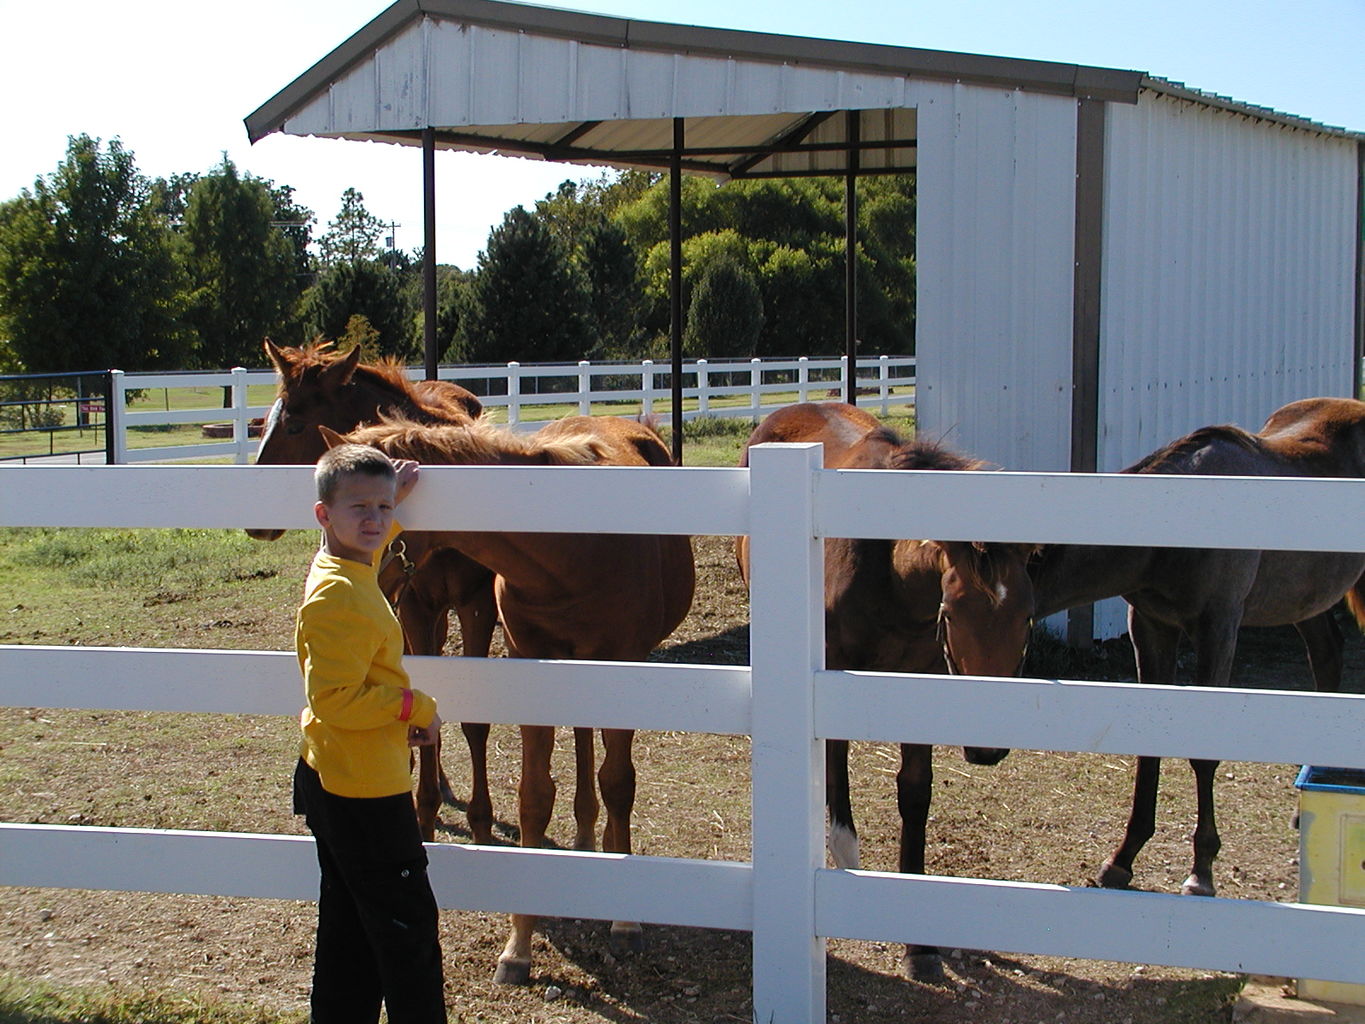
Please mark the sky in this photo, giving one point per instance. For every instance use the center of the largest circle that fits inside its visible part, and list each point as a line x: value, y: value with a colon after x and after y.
x: 174, y: 80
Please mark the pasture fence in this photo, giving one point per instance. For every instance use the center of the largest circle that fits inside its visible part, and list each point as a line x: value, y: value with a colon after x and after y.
x: 717, y: 388
x: 785, y: 700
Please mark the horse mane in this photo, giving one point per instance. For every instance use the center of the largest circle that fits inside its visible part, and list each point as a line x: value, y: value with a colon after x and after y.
x: 1167, y: 458
x: 476, y: 442
x: 923, y: 453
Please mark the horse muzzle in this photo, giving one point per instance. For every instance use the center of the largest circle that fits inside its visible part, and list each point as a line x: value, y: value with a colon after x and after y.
x: 984, y: 755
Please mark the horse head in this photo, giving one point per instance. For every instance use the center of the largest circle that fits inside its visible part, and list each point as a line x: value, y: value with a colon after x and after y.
x: 986, y: 616
x: 315, y: 391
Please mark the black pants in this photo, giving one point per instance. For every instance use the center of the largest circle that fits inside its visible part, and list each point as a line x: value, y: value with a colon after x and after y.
x: 377, y: 917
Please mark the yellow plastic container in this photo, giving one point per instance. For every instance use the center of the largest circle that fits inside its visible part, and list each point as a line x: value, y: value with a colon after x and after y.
x: 1332, y: 856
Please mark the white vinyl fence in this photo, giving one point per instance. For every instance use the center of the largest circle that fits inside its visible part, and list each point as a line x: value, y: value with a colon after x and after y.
x: 761, y: 385
x: 785, y: 701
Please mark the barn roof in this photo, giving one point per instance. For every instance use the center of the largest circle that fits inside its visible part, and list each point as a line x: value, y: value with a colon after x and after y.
x: 554, y: 84
x: 561, y: 85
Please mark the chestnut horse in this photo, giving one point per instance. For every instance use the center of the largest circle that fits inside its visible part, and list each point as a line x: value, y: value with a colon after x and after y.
x: 1207, y: 595
x: 319, y: 388
x: 905, y: 606
x: 581, y: 596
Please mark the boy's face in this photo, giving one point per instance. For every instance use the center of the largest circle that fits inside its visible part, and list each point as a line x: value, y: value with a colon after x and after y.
x: 358, y: 518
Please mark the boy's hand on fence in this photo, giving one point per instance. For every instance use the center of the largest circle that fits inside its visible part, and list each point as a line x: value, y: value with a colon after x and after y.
x: 419, y: 737
x: 405, y: 478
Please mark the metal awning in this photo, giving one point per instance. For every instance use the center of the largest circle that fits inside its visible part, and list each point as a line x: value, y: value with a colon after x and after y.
x: 543, y: 83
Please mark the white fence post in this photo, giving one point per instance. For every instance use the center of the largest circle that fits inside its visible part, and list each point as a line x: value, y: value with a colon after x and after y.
x: 647, y: 387
x: 241, y: 421
x: 884, y: 381
x: 848, y: 385
x: 803, y: 377
x: 584, y: 388
x: 703, y: 384
x: 513, y: 394
x: 756, y: 387
x: 118, y: 407
x: 787, y: 641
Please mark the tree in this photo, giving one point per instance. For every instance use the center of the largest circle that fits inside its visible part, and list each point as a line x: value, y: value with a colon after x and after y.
x: 726, y: 312
x: 367, y: 289
x: 615, y: 298
x: 241, y: 267
x: 527, y: 300
x: 87, y: 275
x: 354, y: 236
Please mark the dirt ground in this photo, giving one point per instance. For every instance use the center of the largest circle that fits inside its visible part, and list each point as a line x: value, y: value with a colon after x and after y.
x: 1038, y: 816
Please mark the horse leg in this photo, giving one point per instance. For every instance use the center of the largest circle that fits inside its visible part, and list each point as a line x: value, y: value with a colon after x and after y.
x: 1155, y: 646
x: 617, y: 779
x: 1324, y: 642
x: 536, y: 795
x: 914, y: 790
x: 843, y: 834
x: 1205, y: 838
x: 1215, y: 642
x: 480, y: 810
x: 423, y: 633
x: 478, y: 615
x: 585, y: 806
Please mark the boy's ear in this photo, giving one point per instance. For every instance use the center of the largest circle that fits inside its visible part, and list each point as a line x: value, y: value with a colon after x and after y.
x: 330, y: 437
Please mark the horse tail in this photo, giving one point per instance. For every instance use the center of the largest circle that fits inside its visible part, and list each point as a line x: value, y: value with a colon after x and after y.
x: 1355, y: 600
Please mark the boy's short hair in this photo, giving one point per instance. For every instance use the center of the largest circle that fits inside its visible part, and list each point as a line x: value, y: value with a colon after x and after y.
x: 345, y: 460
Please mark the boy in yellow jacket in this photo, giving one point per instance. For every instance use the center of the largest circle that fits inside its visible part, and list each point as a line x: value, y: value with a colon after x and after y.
x: 377, y: 918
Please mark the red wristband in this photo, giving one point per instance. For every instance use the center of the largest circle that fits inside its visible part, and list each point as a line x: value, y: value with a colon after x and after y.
x: 406, y: 712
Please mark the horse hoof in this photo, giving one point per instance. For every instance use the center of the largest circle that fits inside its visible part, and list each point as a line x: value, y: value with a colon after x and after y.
x: 1196, y: 886
x: 626, y: 939
x: 512, y: 972
x: 925, y: 967
x: 1112, y: 876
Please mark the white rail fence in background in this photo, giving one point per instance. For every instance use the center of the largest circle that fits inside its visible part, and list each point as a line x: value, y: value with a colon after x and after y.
x: 785, y: 700
x: 884, y: 382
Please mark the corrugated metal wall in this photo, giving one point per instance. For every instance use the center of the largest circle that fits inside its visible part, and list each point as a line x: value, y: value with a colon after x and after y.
x: 995, y: 236
x: 1227, y: 282
x: 1228, y: 267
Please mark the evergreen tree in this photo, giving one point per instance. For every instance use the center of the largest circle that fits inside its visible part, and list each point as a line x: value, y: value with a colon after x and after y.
x: 354, y: 236
x: 615, y: 300
x: 87, y: 276
x: 369, y: 289
x: 527, y: 301
x: 725, y: 315
x: 241, y: 268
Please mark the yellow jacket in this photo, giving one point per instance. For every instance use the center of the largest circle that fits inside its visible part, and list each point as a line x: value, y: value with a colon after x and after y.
x: 360, y: 706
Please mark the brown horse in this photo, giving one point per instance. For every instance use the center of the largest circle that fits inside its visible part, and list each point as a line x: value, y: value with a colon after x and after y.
x: 592, y: 597
x: 321, y: 389
x: 905, y: 606
x: 1207, y: 595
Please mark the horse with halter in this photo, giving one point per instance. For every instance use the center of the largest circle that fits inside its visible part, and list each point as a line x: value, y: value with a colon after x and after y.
x: 592, y: 597
x: 1207, y: 595
x: 321, y: 389
x: 905, y: 606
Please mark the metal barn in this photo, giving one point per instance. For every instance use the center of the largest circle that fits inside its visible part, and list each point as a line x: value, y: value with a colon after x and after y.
x: 1106, y: 259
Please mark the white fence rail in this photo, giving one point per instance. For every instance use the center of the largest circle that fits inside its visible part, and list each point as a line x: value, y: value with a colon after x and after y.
x: 884, y: 382
x: 785, y: 701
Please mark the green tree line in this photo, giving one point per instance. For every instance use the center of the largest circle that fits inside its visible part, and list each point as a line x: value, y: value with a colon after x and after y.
x: 101, y: 266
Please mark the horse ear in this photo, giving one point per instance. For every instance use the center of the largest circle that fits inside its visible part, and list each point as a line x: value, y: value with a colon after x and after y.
x: 330, y: 437
x: 339, y: 374
x: 273, y: 353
